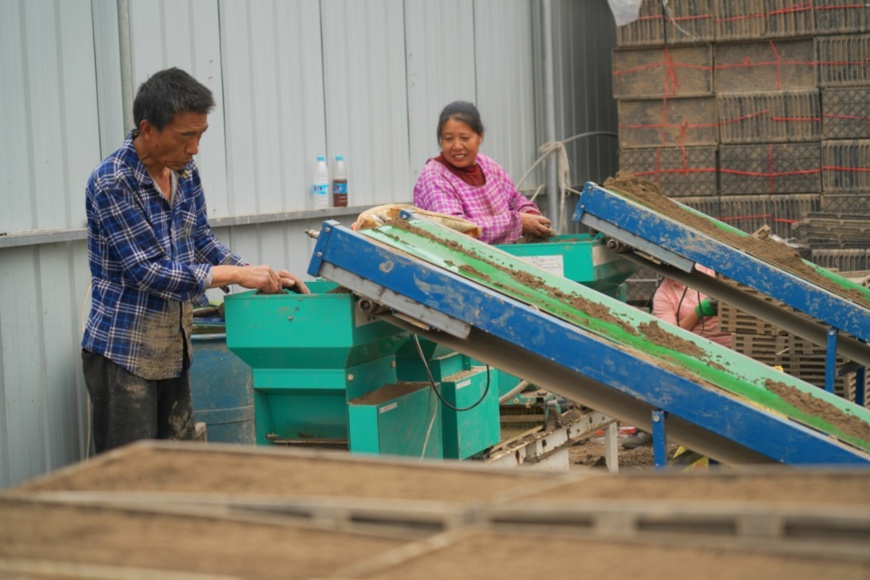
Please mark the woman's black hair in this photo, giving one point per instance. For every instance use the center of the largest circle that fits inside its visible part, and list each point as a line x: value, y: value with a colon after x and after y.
x: 461, y: 111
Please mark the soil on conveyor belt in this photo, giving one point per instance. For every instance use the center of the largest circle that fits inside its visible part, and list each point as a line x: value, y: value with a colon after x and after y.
x: 777, y: 254
x: 848, y: 424
x: 654, y: 332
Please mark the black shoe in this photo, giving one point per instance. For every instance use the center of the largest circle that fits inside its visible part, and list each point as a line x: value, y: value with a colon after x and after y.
x: 639, y: 439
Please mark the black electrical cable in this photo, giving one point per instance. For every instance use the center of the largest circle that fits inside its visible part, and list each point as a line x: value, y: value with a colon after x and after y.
x: 432, y: 380
x: 680, y: 305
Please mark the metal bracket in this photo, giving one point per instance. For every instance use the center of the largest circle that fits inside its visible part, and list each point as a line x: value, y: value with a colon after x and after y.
x: 411, y: 310
x: 635, y: 241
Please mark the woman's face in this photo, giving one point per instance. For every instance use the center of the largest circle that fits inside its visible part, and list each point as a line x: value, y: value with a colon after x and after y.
x: 460, y: 143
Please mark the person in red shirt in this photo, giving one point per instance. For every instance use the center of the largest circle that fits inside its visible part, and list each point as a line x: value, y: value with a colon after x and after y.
x: 691, y: 310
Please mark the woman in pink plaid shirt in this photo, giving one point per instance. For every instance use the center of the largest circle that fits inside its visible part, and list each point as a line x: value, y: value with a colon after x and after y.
x: 468, y: 184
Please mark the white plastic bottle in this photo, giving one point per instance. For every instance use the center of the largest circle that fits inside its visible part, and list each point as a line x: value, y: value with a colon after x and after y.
x: 339, y: 183
x: 320, y: 188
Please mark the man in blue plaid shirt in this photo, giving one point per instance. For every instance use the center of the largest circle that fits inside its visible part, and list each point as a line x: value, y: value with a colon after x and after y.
x: 152, y: 254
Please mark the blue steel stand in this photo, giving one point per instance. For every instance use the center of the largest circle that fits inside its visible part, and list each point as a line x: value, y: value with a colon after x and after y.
x: 660, y: 439
x: 831, y: 360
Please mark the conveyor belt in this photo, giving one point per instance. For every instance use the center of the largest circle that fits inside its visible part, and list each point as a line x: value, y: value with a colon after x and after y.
x: 831, y: 299
x: 588, y: 347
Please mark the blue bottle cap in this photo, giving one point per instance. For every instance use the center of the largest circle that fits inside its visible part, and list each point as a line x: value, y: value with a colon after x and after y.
x: 321, y: 158
x: 339, y: 157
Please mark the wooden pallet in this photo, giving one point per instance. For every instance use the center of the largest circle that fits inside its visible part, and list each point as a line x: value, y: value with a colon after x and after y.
x: 846, y: 203
x: 844, y: 166
x: 789, y: 209
x: 845, y: 113
x: 765, y: 348
x: 764, y: 66
x: 772, y: 168
x: 843, y: 61
x: 782, y: 117
x: 679, y: 171
x: 663, y: 72
x: 839, y: 16
x: 736, y: 321
x: 691, y: 121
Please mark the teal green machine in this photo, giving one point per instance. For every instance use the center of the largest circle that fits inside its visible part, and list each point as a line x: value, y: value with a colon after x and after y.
x: 327, y: 372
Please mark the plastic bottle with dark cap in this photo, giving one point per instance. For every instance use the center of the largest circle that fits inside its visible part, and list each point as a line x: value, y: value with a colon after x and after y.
x: 339, y: 182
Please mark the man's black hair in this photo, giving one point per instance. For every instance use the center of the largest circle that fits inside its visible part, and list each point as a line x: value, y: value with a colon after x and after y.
x: 167, y: 93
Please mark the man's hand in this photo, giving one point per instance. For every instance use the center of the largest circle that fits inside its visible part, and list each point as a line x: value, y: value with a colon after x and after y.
x: 707, y: 307
x: 262, y: 278
x: 536, y: 225
x: 292, y: 282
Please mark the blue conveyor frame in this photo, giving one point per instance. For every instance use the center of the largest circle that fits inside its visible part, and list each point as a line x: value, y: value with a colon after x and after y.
x: 680, y: 246
x: 569, y: 360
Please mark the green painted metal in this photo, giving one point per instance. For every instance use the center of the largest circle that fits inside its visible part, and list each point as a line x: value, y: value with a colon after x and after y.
x: 310, y: 354
x: 441, y: 361
x: 469, y: 432
x: 610, y: 319
x: 401, y: 419
x: 579, y: 257
x: 311, y: 404
x: 283, y: 331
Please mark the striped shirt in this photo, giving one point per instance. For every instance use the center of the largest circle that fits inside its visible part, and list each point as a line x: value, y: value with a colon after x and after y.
x: 149, y: 262
x: 495, y: 206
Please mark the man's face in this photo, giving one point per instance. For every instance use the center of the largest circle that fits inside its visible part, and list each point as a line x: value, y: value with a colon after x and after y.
x: 175, y: 145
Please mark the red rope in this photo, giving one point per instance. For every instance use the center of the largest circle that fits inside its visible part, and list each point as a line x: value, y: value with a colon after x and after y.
x: 837, y: 168
x: 777, y: 173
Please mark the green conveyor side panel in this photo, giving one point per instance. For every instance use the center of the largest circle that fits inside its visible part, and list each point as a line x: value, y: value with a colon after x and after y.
x: 614, y: 321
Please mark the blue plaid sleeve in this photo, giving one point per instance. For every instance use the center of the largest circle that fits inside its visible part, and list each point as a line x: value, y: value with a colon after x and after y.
x: 146, y: 263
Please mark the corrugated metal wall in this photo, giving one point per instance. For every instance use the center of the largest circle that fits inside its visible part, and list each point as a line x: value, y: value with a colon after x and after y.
x: 292, y: 80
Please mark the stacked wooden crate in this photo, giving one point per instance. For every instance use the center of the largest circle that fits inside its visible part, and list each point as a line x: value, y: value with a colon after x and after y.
x: 753, y: 111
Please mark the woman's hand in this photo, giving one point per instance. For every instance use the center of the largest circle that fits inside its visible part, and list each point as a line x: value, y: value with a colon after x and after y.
x: 536, y: 225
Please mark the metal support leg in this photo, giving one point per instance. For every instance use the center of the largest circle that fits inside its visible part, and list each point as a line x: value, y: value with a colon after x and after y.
x: 831, y: 360
x: 660, y: 440
x: 861, y: 387
x: 611, y: 455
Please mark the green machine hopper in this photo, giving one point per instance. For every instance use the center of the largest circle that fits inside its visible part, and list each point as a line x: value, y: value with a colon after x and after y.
x: 310, y: 355
x: 327, y: 373
x: 582, y: 258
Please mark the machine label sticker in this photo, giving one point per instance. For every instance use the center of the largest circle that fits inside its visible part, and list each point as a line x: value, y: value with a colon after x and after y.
x: 463, y: 384
x: 389, y: 407
x: 553, y: 264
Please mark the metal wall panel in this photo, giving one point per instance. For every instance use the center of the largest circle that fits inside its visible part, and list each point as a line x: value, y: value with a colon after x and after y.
x: 49, y: 113
x: 584, y: 36
x: 366, y: 98
x: 185, y: 34
x: 273, y: 83
x: 505, y: 83
x: 440, y: 57
x: 42, y: 393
